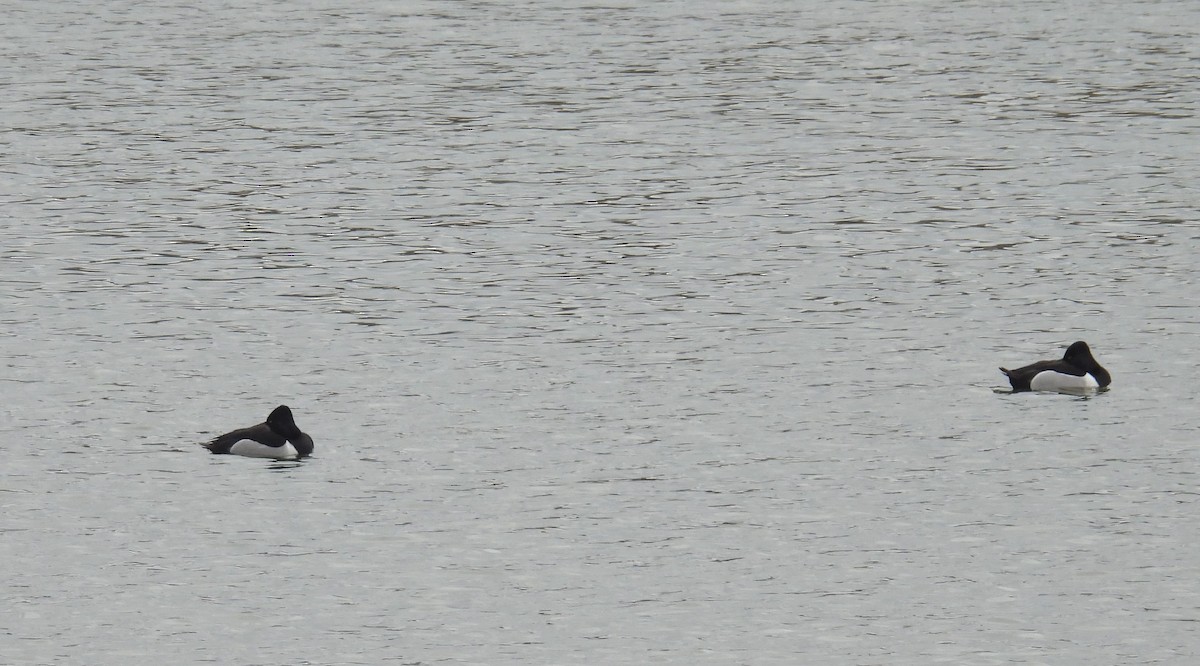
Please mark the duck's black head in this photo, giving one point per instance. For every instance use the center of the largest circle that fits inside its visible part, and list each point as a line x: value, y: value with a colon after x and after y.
x: 281, y: 421
x: 1079, y: 354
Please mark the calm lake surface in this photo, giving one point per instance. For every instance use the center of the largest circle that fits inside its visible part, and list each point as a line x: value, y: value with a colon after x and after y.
x: 628, y: 332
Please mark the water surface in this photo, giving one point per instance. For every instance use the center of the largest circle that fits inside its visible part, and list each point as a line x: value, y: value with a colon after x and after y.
x: 628, y: 333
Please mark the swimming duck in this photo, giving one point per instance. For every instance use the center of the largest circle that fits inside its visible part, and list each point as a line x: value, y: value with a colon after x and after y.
x: 1075, y: 371
x: 277, y: 438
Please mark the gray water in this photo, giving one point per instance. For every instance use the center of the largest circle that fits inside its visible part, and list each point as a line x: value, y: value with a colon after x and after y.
x: 628, y: 332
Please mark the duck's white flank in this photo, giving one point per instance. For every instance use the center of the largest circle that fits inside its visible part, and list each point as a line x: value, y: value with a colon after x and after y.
x: 251, y: 448
x: 1048, y: 380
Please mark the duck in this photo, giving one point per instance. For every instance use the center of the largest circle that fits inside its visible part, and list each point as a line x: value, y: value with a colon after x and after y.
x: 1077, y: 370
x: 277, y: 438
